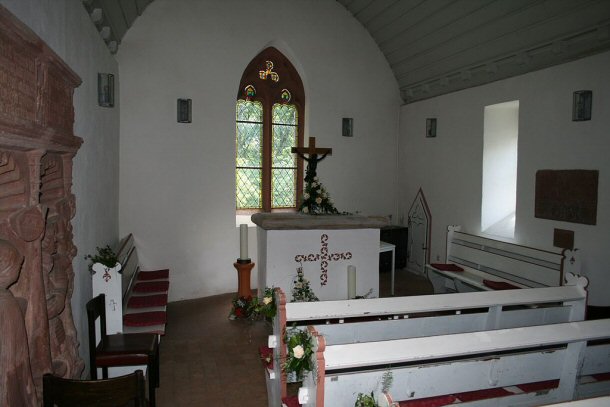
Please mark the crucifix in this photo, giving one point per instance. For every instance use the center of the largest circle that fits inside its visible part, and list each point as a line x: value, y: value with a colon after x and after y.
x: 312, y: 160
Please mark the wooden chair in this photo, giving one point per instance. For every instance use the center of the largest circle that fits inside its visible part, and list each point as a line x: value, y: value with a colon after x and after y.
x: 118, y: 391
x: 121, y: 349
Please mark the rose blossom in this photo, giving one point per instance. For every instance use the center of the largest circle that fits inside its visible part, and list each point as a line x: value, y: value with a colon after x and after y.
x: 305, y: 210
x: 267, y: 300
x: 298, y: 352
x: 306, y: 195
x: 318, y: 200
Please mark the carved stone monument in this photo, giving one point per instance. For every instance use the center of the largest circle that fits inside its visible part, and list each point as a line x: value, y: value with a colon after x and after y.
x: 37, y: 145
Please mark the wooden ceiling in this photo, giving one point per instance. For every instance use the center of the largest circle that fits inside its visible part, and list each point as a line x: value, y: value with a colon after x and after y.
x: 440, y: 46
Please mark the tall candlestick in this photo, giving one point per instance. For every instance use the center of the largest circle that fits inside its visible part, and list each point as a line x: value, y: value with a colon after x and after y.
x: 243, y: 241
x: 351, y: 282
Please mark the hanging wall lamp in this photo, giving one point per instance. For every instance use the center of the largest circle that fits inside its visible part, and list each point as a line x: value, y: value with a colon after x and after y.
x: 105, y: 89
x: 581, y: 105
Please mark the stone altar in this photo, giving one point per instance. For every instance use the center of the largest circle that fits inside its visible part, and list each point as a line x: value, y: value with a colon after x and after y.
x: 324, y: 245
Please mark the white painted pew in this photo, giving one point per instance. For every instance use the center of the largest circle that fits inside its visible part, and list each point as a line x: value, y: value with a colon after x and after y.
x: 405, y: 317
x: 485, y: 260
x: 118, y: 286
x: 459, y: 363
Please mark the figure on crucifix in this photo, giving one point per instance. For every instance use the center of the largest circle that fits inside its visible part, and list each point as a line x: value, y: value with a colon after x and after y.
x: 315, y: 198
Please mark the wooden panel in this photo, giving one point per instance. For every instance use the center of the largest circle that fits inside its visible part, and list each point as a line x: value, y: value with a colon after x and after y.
x: 468, y: 49
x: 567, y: 195
x: 455, y: 377
x: 437, y: 325
x: 512, y: 267
x: 426, y: 303
x: 597, y: 359
x: 116, y: 20
x: 446, y: 346
x: 130, y: 11
x: 529, y: 253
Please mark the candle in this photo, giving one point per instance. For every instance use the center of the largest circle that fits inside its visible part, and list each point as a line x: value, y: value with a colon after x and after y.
x: 243, y: 241
x: 351, y: 282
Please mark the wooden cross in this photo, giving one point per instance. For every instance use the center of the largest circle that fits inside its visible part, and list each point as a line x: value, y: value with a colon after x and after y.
x: 312, y: 160
x: 324, y: 257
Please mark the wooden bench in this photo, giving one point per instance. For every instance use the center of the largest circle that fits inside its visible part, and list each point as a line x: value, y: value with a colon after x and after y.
x: 136, y: 300
x: 352, y: 321
x: 476, y: 263
x: 526, y: 366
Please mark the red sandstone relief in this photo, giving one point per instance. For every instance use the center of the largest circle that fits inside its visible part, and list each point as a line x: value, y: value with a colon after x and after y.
x: 37, y: 332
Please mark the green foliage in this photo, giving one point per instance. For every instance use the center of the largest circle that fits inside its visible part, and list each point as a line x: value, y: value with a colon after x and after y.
x: 299, y: 343
x: 365, y: 400
x: 301, y: 291
x: 254, y: 308
x: 105, y: 256
x: 316, y: 200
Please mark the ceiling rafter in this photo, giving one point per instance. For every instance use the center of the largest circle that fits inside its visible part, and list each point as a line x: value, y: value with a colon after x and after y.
x: 440, y: 46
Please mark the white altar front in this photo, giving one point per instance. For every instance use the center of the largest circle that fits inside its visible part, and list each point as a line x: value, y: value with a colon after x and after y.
x: 324, y: 245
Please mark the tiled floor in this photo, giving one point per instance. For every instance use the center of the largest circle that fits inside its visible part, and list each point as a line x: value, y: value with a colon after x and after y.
x: 207, y: 360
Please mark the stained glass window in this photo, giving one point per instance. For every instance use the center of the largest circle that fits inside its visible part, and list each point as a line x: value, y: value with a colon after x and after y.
x: 269, y: 110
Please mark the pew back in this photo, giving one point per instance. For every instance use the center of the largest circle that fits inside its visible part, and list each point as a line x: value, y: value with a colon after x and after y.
x: 456, y: 364
x: 352, y: 321
x: 486, y: 261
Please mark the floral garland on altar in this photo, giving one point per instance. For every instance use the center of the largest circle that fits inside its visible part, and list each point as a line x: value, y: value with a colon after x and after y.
x: 316, y: 200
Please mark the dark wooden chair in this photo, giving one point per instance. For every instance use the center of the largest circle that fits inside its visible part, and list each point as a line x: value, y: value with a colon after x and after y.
x: 121, y: 349
x: 126, y: 390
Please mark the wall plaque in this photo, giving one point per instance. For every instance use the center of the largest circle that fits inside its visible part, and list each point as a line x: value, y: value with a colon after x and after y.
x: 567, y: 195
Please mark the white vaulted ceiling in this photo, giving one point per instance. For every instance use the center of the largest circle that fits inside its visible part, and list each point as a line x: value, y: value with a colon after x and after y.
x: 439, y: 46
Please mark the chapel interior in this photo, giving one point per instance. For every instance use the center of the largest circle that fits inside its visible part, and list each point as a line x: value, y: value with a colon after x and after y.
x: 406, y: 93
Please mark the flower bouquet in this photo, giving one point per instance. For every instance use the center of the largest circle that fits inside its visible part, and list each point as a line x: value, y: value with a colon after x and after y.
x: 242, y: 308
x: 300, y: 349
x: 253, y: 308
x: 316, y: 200
x: 301, y: 291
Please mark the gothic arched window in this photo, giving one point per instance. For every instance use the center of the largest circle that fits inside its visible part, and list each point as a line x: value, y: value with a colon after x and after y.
x: 269, y: 117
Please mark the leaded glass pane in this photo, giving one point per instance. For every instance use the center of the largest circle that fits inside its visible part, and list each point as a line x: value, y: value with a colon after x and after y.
x: 283, y: 184
x: 248, y: 172
x: 284, y: 114
x: 248, y: 181
x: 249, y: 111
x: 284, y: 138
x: 249, y: 144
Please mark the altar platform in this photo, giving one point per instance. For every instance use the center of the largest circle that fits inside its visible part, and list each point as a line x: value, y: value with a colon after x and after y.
x: 324, y: 245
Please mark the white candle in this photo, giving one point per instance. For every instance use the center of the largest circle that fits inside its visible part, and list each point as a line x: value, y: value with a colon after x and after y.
x: 243, y: 241
x: 351, y: 282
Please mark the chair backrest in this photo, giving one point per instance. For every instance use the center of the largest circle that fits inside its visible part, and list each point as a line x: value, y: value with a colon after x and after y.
x: 96, y: 308
x: 118, y: 391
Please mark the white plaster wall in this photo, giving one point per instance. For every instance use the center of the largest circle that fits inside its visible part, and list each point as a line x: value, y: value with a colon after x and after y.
x: 177, y: 180
x: 65, y: 26
x: 449, y: 167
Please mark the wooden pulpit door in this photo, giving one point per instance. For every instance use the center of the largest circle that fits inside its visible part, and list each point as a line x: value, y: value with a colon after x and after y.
x: 37, y: 145
x: 419, y: 224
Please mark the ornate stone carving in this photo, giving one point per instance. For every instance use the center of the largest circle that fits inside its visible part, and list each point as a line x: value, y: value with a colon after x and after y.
x: 37, y: 144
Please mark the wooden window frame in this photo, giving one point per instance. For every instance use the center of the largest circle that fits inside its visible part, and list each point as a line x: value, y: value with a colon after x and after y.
x: 268, y: 92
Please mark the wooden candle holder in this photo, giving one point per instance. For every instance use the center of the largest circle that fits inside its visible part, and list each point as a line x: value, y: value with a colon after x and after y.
x: 243, y: 277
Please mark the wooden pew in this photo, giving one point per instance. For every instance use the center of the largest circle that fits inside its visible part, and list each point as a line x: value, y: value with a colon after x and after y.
x: 352, y: 321
x: 526, y: 366
x: 136, y: 300
x: 475, y: 263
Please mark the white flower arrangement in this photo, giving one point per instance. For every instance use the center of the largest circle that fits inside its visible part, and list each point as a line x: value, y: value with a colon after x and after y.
x: 301, y: 291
